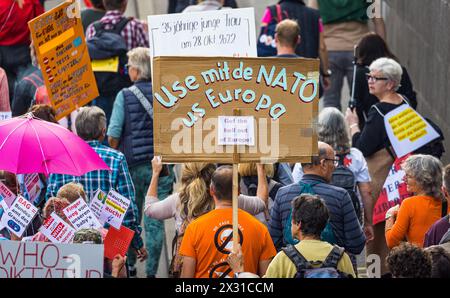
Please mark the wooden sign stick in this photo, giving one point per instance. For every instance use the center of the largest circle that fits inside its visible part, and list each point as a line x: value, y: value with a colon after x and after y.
x: 236, y: 112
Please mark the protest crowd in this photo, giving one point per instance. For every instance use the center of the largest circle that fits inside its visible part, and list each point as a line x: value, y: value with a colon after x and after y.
x: 319, y: 218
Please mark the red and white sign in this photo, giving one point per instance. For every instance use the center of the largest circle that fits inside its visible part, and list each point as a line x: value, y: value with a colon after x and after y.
x: 80, y: 216
x: 57, y: 230
x: 7, y: 197
x: 50, y: 260
x: 393, y: 193
x: 33, y: 185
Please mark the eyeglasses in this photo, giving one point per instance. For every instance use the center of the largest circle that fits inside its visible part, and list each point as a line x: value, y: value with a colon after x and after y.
x: 334, y: 160
x: 372, y: 78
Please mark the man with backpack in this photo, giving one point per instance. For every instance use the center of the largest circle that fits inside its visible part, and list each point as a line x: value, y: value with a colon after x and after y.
x: 311, y: 257
x: 108, y: 41
x: 343, y: 228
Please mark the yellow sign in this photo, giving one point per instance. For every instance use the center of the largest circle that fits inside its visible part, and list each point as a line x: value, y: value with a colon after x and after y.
x: 63, y: 57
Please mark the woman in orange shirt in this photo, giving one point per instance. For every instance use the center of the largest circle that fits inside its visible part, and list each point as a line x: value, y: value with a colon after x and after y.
x: 418, y: 213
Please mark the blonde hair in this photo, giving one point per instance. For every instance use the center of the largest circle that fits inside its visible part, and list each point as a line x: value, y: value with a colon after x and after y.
x: 71, y: 191
x: 195, y: 199
x: 55, y: 205
x: 249, y: 169
x: 288, y: 32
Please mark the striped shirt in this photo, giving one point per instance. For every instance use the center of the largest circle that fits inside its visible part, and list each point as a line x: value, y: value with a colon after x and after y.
x: 134, y: 32
x: 118, y: 179
x: 343, y: 219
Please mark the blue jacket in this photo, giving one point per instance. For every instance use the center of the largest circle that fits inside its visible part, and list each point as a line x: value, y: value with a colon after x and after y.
x: 343, y: 219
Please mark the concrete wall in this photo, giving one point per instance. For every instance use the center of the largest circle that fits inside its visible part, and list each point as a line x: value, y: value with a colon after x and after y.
x: 418, y: 33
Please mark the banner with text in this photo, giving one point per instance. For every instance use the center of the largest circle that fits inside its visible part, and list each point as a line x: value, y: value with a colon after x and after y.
x: 227, y: 32
x: 62, y: 54
x: 50, y: 260
x: 279, y: 95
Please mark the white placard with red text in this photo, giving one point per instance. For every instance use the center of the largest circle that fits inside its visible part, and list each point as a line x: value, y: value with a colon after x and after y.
x: 19, y: 216
x: 57, y: 230
x: 80, y: 216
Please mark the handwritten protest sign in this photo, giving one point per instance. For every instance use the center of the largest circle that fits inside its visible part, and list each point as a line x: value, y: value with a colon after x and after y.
x: 57, y: 230
x: 117, y: 241
x: 393, y: 193
x: 97, y: 202
x: 19, y: 216
x: 407, y: 130
x: 50, y: 260
x: 80, y: 216
x: 280, y: 94
x: 7, y: 197
x: 213, y: 33
x: 114, y: 209
x: 61, y: 51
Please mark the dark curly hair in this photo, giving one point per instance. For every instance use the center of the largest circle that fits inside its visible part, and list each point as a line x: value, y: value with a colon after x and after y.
x: 409, y: 261
x: 440, y: 258
x: 312, y: 214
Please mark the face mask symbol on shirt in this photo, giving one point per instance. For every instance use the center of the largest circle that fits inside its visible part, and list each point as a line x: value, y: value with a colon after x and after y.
x: 223, y: 239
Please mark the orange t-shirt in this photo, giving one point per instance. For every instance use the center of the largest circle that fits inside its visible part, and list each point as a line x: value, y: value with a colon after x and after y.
x: 415, y: 216
x: 209, y: 239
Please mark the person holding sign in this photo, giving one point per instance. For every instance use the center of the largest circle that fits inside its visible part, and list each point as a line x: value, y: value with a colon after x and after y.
x: 384, y: 80
x: 208, y: 240
x: 194, y: 200
x: 418, y: 213
x: 131, y: 131
x: 91, y: 127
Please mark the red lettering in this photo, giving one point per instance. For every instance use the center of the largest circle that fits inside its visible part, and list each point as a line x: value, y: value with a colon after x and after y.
x: 26, y: 254
x: 43, y: 254
x: 9, y: 255
x: 6, y: 273
x: 17, y: 274
x: 49, y: 273
x: 58, y: 229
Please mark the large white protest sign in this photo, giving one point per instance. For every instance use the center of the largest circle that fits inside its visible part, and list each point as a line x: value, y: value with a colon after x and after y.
x: 19, y: 216
x: 114, y: 209
x: 226, y: 33
x: 80, y: 216
x: 57, y: 230
x: 407, y: 130
x: 7, y: 197
x: 50, y: 260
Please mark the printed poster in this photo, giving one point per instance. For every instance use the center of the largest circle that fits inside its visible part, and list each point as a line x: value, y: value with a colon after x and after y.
x: 114, y: 209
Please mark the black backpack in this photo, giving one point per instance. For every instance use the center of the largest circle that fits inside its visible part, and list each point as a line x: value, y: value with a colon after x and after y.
x: 343, y: 177
x: 108, y: 44
x: 307, y: 269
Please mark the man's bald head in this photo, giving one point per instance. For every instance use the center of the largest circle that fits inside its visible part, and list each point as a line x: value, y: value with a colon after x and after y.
x: 322, y: 165
x: 222, y: 183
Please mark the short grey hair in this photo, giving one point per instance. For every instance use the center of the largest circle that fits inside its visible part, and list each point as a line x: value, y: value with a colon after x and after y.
x: 90, y: 123
x: 333, y: 130
x: 140, y: 59
x: 427, y: 171
x: 390, y: 68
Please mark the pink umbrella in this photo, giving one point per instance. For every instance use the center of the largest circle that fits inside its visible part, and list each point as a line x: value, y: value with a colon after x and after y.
x: 30, y: 145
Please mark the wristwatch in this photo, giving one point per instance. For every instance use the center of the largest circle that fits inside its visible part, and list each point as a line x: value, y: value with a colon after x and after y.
x: 327, y: 73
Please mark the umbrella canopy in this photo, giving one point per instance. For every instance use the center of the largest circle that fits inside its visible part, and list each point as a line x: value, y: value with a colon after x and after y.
x: 30, y: 145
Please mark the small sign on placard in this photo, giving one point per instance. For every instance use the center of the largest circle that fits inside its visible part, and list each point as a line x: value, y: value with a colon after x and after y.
x: 57, y: 230
x: 7, y: 197
x: 97, y: 202
x: 19, y: 216
x: 114, y: 209
x: 236, y: 130
x: 80, y: 216
x: 407, y: 130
